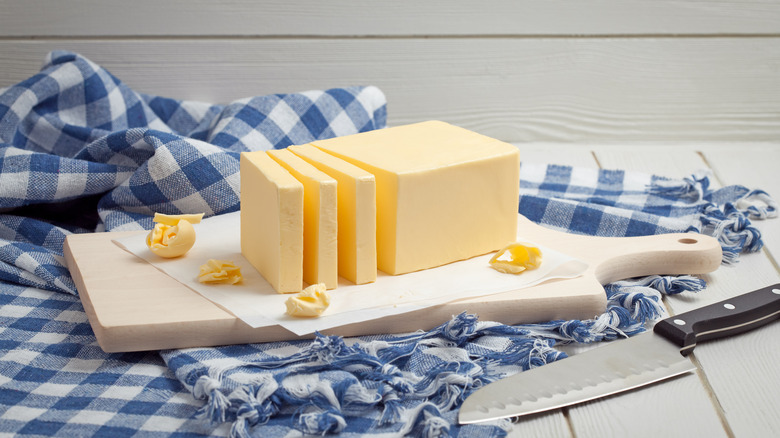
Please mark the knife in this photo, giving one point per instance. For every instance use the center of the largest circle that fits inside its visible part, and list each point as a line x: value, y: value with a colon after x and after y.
x: 621, y: 365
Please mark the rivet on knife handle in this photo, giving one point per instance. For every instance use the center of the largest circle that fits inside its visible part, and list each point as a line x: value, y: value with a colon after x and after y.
x: 725, y: 318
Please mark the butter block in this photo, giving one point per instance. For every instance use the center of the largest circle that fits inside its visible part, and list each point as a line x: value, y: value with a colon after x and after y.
x: 320, y: 224
x: 443, y: 193
x: 272, y: 221
x: 356, y: 213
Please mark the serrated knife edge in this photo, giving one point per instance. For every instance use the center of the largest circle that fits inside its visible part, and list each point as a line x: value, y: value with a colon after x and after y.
x: 622, y: 365
x: 579, y: 394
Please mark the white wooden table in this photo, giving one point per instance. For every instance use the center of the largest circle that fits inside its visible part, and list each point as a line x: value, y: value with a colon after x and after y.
x: 735, y: 391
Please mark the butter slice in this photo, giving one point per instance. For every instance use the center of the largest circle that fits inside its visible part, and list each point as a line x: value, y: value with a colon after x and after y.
x: 272, y: 221
x: 356, y: 213
x: 320, y: 229
x: 444, y: 193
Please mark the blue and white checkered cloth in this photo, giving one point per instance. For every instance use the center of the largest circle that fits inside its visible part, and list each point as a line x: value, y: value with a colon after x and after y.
x: 82, y: 152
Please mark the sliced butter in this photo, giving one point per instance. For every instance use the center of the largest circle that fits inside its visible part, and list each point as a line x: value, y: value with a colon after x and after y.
x: 272, y: 221
x: 444, y: 193
x: 356, y: 213
x: 320, y: 251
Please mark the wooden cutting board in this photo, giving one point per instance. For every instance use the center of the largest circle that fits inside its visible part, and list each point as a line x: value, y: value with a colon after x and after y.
x: 134, y: 307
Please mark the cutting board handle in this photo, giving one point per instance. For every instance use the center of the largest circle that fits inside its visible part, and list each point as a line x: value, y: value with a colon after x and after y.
x: 664, y: 254
x: 617, y: 258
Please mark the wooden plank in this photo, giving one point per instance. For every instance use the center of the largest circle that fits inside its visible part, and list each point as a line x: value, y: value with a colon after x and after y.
x: 613, y: 417
x: 735, y: 370
x: 755, y: 167
x: 672, y: 160
x: 551, y: 424
x: 682, y: 403
x: 563, y: 154
x: 678, y: 407
x: 741, y: 370
x: 518, y: 90
x: 404, y: 17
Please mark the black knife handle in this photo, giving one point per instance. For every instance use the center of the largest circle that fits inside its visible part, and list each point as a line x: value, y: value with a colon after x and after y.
x: 725, y: 318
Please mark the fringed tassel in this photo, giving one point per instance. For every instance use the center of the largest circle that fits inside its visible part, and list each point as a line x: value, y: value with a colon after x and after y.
x: 542, y: 352
x: 391, y: 411
x: 692, y: 188
x: 722, y: 216
x: 254, y: 404
x: 728, y: 219
x: 356, y: 395
x: 459, y: 329
x: 327, y: 378
x: 247, y: 406
x: 669, y: 285
x: 643, y: 302
x: 757, y: 204
x: 630, y: 304
x: 525, y: 352
x: 425, y: 421
x: 321, y: 422
x: 446, y: 383
x: 216, y: 408
x: 309, y: 387
x: 732, y: 229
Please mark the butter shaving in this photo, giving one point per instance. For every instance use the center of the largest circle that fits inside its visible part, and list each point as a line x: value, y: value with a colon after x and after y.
x: 219, y: 272
x: 310, y: 302
x: 171, y: 240
x: 516, y: 258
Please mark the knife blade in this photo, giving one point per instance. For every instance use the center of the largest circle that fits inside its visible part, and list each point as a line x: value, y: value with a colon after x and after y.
x: 621, y: 365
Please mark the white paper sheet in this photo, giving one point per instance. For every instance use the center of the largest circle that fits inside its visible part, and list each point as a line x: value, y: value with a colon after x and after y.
x: 256, y: 303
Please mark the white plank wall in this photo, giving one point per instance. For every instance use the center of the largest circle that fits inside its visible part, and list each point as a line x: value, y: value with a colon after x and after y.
x: 398, y: 18
x: 638, y: 70
x: 660, y: 86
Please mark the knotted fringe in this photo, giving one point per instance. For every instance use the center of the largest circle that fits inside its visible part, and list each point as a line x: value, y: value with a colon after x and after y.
x: 216, y: 410
x: 730, y: 224
x: 724, y: 214
x: 426, y: 422
x: 254, y: 404
x: 692, y: 188
x: 320, y: 422
x: 325, y: 382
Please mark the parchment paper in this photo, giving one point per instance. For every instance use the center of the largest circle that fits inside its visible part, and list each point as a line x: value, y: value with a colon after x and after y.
x: 256, y: 303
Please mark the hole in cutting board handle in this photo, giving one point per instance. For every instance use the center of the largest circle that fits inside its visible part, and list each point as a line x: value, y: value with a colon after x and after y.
x: 688, y: 241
